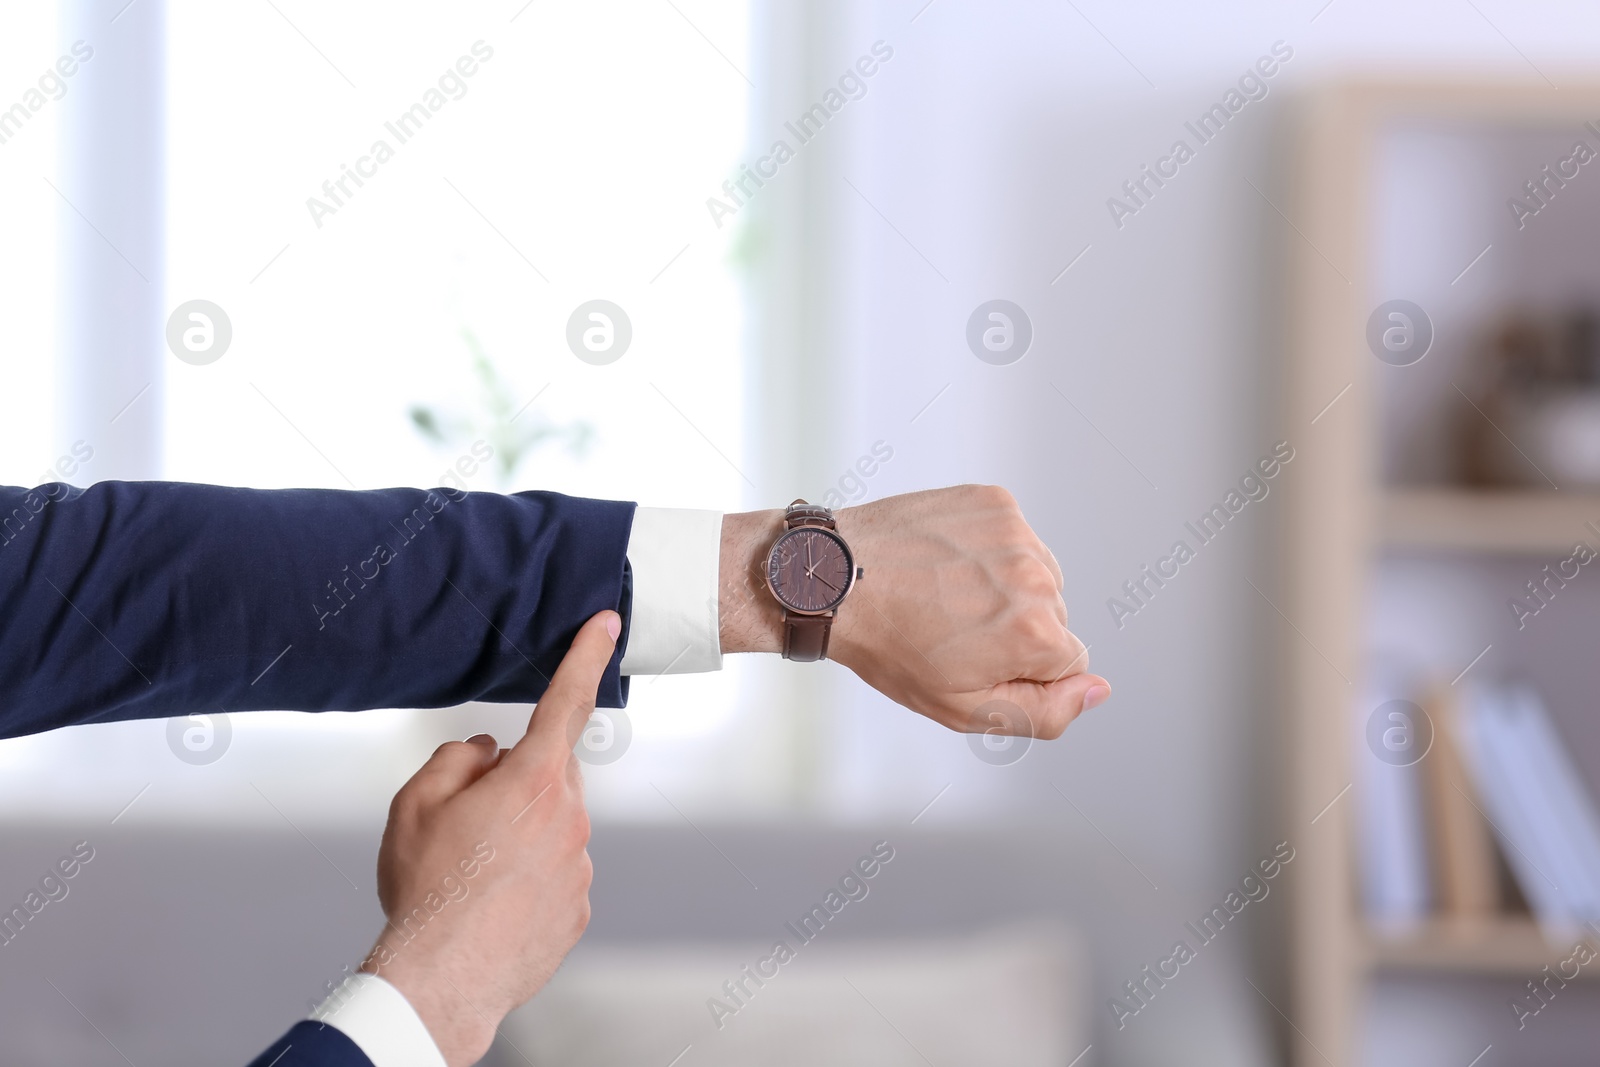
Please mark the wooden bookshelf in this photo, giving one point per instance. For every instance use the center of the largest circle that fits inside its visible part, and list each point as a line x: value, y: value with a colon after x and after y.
x: 1505, y: 945
x: 1508, y: 521
x: 1342, y: 521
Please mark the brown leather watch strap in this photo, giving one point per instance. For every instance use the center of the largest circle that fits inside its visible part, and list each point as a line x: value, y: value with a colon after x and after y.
x: 805, y: 637
x: 802, y: 514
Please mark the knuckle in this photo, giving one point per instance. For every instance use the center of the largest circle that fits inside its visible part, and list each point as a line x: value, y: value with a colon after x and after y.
x: 1039, y: 628
x: 1042, y: 583
x: 406, y: 807
x: 450, y: 748
x: 1018, y: 570
x: 997, y: 496
x: 551, y: 766
x: 571, y: 827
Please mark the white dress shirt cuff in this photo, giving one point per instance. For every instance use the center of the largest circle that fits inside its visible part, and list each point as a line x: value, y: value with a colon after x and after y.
x: 675, y: 554
x: 381, y: 1021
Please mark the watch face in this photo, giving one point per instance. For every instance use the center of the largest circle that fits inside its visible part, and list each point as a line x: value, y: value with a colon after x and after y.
x: 810, y: 570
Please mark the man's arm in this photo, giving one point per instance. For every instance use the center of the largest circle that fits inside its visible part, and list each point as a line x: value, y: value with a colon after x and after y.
x: 129, y: 600
x: 143, y: 599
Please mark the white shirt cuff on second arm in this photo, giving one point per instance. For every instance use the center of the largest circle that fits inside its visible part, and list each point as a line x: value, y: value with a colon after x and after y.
x: 675, y: 554
x: 381, y: 1021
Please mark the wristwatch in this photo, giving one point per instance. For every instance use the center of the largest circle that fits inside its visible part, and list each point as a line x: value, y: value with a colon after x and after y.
x: 810, y: 570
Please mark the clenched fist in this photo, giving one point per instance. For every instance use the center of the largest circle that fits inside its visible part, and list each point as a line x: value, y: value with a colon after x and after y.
x: 483, y: 873
x: 960, y: 608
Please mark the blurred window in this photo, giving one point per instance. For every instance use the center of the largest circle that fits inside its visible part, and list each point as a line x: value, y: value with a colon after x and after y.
x: 28, y: 266
x: 398, y: 210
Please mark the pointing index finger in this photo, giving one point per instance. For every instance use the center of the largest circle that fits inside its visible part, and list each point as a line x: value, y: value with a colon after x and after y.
x: 567, y: 703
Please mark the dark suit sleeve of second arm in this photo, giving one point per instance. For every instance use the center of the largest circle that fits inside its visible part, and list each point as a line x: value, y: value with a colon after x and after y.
x: 312, y: 1044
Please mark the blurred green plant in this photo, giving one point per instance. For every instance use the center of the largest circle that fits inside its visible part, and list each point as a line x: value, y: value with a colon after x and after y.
x: 514, y: 433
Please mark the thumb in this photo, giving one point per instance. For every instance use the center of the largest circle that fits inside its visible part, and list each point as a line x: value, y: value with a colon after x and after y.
x: 567, y: 703
x: 1047, y: 709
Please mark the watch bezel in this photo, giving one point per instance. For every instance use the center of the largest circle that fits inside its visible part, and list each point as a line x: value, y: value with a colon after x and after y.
x: 850, y: 573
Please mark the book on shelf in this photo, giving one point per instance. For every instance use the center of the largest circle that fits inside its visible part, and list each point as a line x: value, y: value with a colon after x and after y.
x: 1466, y: 865
x: 1393, y: 842
x: 1496, y: 789
x: 1535, y: 801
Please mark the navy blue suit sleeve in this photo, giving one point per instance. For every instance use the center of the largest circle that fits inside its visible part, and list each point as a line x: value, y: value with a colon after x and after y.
x: 153, y: 599
x: 311, y: 1044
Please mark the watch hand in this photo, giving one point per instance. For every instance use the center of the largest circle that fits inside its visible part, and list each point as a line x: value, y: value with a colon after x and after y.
x: 825, y: 582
